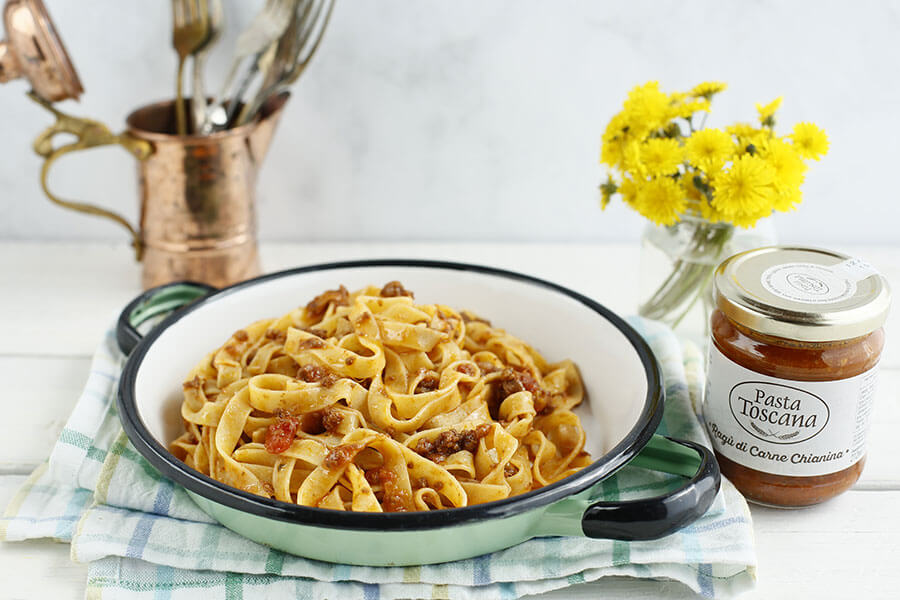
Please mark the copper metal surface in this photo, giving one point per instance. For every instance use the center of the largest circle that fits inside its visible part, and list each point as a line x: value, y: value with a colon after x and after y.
x: 198, y: 213
x: 198, y: 193
x: 33, y: 50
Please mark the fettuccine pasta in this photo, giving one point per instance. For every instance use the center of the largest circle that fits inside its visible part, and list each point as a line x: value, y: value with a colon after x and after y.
x: 367, y: 401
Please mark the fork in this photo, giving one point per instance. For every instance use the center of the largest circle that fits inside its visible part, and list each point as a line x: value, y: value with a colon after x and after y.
x: 190, y: 28
x: 308, y: 28
x: 262, y: 33
x: 198, y: 95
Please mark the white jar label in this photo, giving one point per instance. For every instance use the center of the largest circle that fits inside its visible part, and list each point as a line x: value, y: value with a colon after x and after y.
x: 786, y: 427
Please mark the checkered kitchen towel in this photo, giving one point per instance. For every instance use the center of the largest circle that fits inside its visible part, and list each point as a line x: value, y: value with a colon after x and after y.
x: 145, y: 538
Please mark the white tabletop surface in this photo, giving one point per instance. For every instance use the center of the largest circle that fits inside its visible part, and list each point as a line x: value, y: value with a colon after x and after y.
x: 58, y: 299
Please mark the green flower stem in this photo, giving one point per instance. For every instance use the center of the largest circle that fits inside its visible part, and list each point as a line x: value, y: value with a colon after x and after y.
x: 691, y: 275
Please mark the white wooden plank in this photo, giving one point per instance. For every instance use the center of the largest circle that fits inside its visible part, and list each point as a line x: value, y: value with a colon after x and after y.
x: 843, y: 548
x: 39, y: 394
x: 882, y: 468
x: 58, y: 299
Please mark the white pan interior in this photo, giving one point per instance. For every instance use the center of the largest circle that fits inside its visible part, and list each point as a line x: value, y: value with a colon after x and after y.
x: 553, y: 323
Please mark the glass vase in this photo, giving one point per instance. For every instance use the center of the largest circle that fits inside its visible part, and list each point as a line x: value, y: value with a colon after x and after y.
x: 677, y: 266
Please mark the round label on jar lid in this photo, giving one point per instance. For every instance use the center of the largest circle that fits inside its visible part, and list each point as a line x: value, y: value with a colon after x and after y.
x: 805, y: 294
x: 816, y: 283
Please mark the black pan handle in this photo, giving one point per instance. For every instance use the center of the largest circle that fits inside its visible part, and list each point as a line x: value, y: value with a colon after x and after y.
x: 155, y: 301
x: 656, y: 517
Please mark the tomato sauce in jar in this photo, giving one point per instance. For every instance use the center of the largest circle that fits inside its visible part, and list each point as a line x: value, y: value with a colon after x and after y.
x: 796, y: 337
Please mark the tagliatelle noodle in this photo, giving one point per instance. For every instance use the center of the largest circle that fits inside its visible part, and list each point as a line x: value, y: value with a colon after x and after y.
x: 367, y: 401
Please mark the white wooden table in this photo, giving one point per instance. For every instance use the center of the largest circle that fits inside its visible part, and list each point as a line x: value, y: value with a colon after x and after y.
x: 56, y: 300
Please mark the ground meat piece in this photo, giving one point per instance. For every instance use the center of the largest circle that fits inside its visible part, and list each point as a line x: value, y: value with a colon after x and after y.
x: 510, y: 469
x: 466, y: 369
x: 339, y: 456
x: 425, y: 448
x: 483, y: 429
x: 349, y: 360
x: 394, y: 498
x: 275, y: 335
x: 518, y: 380
x: 311, y: 344
x: 329, y: 380
x: 394, y: 288
x: 231, y: 351
x: 241, y: 335
x: 331, y: 419
x: 318, y: 306
x: 450, y: 442
x: 280, y: 434
x: 468, y: 441
x: 320, y: 421
x: 194, y: 383
x: 311, y: 373
x: 320, y: 333
x: 429, y: 383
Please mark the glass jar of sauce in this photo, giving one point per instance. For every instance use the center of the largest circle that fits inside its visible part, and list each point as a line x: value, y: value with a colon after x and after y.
x: 796, y: 336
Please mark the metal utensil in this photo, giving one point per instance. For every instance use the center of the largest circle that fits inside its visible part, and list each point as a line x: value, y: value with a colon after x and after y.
x: 262, y: 33
x: 198, y: 95
x: 313, y: 19
x: 190, y: 26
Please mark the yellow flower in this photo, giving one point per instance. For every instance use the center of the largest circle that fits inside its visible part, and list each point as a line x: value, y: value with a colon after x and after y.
x: 749, y: 219
x: 686, y: 110
x: 613, y: 141
x: 747, y: 135
x: 789, y: 167
x: 661, y: 156
x: 787, y: 199
x: 629, y: 191
x: 661, y: 200
x: 809, y: 140
x: 631, y: 159
x: 767, y: 112
x: 646, y: 109
x: 709, y: 149
x: 709, y: 212
x: 708, y: 89
x: 745, y: 192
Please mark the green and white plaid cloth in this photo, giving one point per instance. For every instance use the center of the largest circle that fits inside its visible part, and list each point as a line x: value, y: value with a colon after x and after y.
x: 144, y: 537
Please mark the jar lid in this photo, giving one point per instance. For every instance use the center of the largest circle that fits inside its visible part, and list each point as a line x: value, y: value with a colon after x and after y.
x: 35, y: 51
x: 805, y: 294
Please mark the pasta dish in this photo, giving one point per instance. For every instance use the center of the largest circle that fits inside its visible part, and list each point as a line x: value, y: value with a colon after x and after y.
x: 368, y: 401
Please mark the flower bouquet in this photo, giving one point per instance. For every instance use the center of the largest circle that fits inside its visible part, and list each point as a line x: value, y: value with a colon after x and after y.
x: 697, y: 184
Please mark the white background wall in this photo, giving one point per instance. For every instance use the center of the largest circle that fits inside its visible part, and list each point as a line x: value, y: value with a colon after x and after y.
x: 472, y: 119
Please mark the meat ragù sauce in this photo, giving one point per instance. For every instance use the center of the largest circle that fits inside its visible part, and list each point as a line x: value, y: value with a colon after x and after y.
x: 799, y: 361
x: 795, y: 340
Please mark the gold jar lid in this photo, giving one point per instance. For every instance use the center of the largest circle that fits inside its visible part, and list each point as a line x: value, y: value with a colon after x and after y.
x: 805, y: 294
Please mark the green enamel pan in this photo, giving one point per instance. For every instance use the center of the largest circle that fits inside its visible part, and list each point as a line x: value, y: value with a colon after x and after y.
x: 624, y: 405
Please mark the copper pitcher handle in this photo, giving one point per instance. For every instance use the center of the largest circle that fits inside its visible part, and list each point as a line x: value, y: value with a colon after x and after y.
x: 89, y: 134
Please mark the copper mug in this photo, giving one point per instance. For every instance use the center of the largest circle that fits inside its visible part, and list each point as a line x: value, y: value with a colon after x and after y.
x: 197, y: 216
